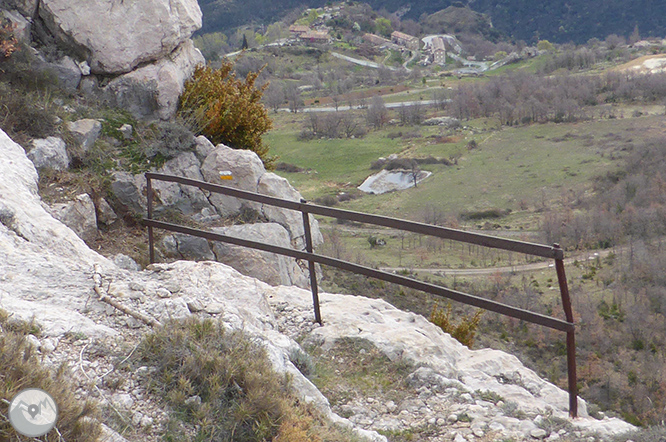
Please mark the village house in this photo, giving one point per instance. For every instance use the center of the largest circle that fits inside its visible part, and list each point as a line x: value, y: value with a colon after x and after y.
x: 408, y: 41
x: 438, y: 51
x: 298, y: 30
x: 375, y: 39
x: 315, y: 37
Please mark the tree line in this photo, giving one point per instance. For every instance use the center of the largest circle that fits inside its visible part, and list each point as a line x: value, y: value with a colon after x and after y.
x: 525, y: 98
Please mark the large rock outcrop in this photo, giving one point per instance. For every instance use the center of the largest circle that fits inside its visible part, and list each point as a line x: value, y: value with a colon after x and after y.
x: 135, y: 54
x: 249, y: 174
x: 117, y: 36
x: 283, y: 227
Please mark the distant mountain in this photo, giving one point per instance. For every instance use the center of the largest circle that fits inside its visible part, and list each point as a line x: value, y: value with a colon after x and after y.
x: 559, y: 21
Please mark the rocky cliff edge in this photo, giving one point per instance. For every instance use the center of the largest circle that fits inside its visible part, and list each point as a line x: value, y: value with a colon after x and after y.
x: 48, y: 273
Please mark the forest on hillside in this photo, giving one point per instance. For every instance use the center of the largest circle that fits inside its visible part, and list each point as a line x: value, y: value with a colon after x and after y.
x: 574, y: 21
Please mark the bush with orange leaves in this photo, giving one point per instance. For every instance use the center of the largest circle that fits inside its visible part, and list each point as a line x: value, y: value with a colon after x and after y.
x: 8, y: 43
x: 228, y: 110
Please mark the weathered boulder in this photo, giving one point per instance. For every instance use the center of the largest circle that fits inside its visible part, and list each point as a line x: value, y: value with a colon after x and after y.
x: 128, y: 190
x: 449, y: 122
x: 187, y: 199
x: 125, y: 262
x: 116, y: 37
x: 85, y: 131
x: 105, y: 213
x: 181, y: 246
x: 20, y: 24
x: 268, y: 267
x: 202, y: 147
x: 78, y: 215
x: 65, y: 70
x: 246, y: 169
x: 139, y: 98
x: 27, y: 8
x: 167, y: 76
x: 249, y: 174
x: 274, y: 185
x: 48, y: 263
x: 50, y: 153
x: 127, y: 130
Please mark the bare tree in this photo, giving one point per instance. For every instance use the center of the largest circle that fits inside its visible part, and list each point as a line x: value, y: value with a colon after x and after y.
x: 377, y: 115
x: 415, y: 171
x: 336, y: 101
x: 293, y: 95
x: 274, y: 96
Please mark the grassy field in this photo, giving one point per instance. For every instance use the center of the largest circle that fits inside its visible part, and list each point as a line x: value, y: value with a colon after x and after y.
x: 333, y: 165
x: 524, y: 169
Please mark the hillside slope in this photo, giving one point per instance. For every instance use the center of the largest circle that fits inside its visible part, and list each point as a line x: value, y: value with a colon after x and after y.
x: 558, y: 21
x: 46, y: 274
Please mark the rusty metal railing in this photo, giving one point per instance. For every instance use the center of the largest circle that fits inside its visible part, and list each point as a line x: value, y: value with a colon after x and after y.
x: 552, y: 252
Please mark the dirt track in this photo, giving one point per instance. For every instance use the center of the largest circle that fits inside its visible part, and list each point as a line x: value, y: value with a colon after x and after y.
x: 506, y: 269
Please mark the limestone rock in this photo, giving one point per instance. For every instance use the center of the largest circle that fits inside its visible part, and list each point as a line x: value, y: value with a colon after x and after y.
x: 127, y: 130
x: 67, y: 72
x: 187, y: 199
x: 167, y: 76
x: 202, y: 147
x: 49, y: 153
x: 187, y: 247
x: 442, y: 121
x: 128, y: 189
x: 20, y: 24
x: 246, y: 169
x: 249, y: 174
x: 140, y: 98
x: 85, y: 131
x: 105, y: 213
x: 268, y: 267
x: 125, y: 262
x: 274, y: 185
x: 44, y: 266
x: 78, y: 215
x: 27, y: 8
x: 115, y: 37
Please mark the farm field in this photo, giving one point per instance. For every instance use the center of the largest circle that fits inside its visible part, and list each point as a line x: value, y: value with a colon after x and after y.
x: 519, y: 169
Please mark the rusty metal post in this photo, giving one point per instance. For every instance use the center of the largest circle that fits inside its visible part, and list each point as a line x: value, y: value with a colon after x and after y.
x: 311, y: 265
x: 571, y: 336
x: 151, y: 245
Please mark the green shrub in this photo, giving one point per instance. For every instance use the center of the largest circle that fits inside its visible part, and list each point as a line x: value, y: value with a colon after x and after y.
x: 20, y: 368
x: 228, y: 110
x: 464, y: 331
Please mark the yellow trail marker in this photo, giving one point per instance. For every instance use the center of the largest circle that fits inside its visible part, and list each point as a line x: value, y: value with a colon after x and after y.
x: 225, y: 175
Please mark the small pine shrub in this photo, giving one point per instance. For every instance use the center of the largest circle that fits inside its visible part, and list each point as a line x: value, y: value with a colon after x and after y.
x: 228, y: 110
x: 464, y: 331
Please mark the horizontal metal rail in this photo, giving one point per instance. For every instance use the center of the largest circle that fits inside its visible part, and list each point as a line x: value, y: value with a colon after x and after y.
x: 411, y: 226
x: 554, y: 252
x: 455, y: 295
